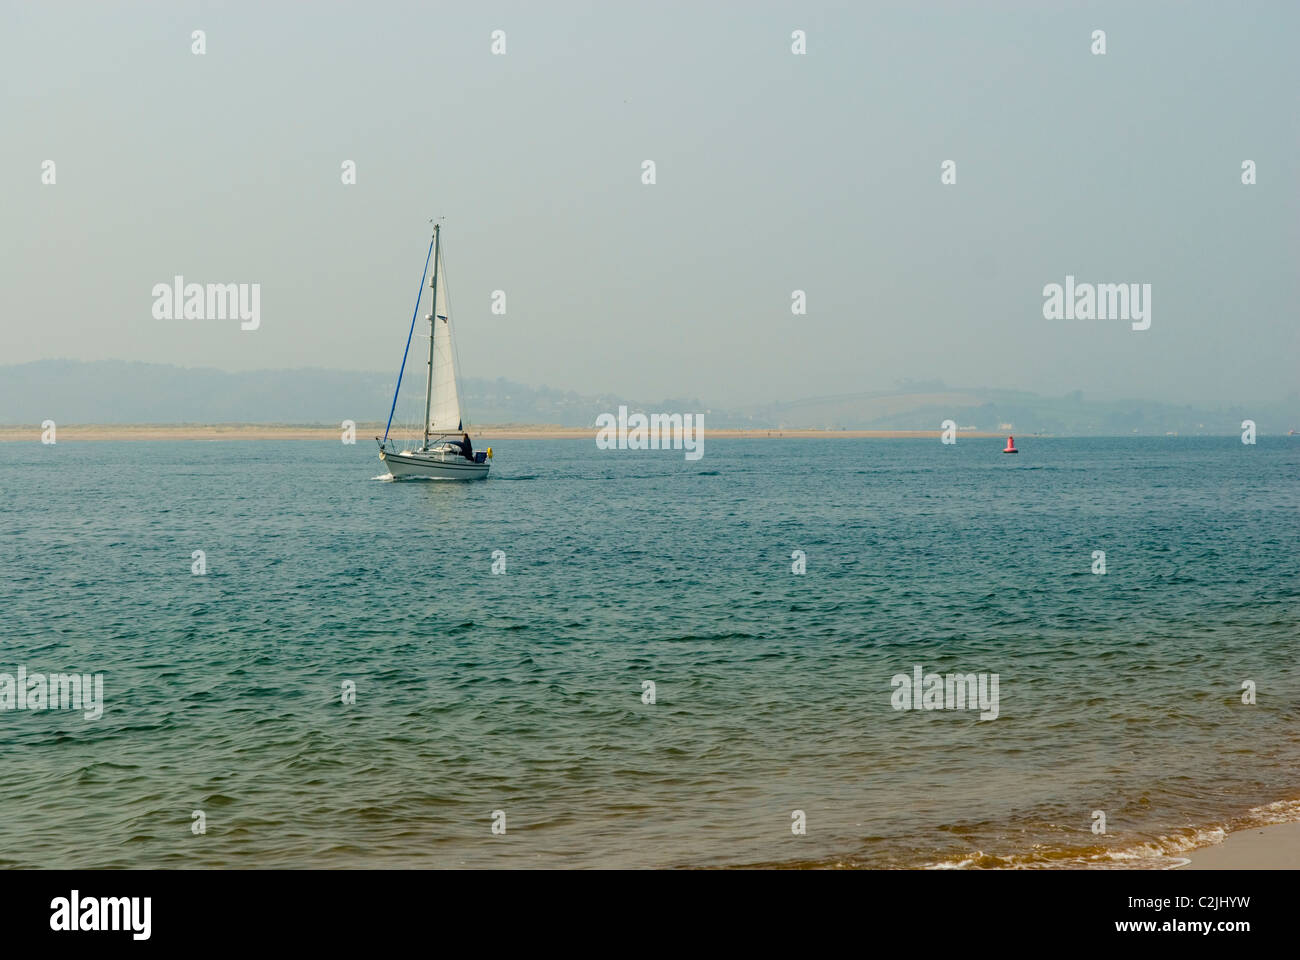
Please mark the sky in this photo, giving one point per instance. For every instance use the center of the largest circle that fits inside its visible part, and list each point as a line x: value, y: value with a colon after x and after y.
x: 774, y: 172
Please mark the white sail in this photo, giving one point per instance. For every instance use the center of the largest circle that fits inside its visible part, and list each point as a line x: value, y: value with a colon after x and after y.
x: 444, y: 406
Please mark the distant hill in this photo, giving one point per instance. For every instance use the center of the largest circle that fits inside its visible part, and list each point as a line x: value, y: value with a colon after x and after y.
x: 116, y: 391
x: 926, y: 405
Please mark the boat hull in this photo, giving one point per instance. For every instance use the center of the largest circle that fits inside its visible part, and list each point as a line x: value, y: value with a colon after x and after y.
x: 433, y: 466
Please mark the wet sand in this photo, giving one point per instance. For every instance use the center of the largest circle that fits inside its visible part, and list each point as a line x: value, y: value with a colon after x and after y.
x: 1275, y: 847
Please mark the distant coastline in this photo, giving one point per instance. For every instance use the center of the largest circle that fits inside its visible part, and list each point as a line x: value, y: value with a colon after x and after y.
x: 132, y: 392
x: 509, y: 431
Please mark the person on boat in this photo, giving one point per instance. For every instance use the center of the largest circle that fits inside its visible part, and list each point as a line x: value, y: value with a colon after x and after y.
x: 466, y: 447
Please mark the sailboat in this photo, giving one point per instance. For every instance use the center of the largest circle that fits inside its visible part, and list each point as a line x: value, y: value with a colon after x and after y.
x: 439, y: 456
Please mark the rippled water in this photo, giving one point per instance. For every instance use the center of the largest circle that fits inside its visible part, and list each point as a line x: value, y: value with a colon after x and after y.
x: 522, y: 691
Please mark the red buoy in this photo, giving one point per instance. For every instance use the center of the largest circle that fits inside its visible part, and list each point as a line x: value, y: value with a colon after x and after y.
x: 1011, y: 446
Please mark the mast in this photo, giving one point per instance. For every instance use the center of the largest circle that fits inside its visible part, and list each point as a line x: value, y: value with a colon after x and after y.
x: 433, y: 326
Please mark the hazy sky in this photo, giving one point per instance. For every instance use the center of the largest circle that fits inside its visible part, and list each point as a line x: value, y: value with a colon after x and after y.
x: 775, y: 172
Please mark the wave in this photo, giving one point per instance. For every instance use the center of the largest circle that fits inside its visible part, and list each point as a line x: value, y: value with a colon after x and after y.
x: 1163, y: 852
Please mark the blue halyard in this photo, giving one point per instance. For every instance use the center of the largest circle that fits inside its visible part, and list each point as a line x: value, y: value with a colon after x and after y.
x: 418, y: 295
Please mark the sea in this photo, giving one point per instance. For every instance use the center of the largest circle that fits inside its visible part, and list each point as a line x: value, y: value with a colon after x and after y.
x: 627, y: 659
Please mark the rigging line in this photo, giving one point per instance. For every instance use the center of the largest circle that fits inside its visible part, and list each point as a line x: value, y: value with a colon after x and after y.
x: 419, y: 293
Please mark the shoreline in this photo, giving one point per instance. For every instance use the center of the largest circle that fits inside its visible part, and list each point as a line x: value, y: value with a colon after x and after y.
x: 1265, y: 837
x: 1274, y: 846
x: 364, y: 431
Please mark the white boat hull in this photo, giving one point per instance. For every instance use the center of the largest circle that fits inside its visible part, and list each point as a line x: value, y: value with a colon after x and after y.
x: 434, y: 465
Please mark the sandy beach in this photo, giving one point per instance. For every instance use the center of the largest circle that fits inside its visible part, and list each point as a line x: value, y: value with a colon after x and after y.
x: 1275, y: 847
x: 509, y: 431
